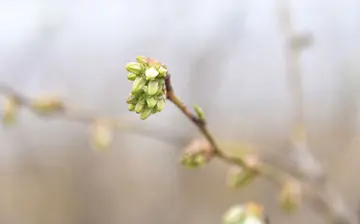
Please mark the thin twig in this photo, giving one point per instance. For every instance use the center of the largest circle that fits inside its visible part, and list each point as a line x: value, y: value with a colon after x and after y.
x: 306, y: 163
x: 268, y: 171
x: 121, y: 124
x: 200, y: 124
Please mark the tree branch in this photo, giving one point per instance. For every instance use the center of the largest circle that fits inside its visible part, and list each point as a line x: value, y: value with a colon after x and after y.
x: 268, y: 171
x: 200, y: 124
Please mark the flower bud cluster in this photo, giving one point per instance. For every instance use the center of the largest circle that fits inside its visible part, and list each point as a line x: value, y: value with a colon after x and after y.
x: 148, y: 94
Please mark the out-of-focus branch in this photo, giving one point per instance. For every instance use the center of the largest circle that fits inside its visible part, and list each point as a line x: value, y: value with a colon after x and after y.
x: 307, y: 165
x: 294, y: 45
x: 57, y: 109
x: 331, y: 204
x: 200, y: 123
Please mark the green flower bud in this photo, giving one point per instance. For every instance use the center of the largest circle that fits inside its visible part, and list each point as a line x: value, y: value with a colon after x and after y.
x: 151, y: 102
x: 290, y: 196
x: 199, y: 112
x: 139, y: 107
x: 142, y: 59
x: 186, y: 161
x: 134, y: 67
x: 131, y: 99
x: 234, y: 215
x: 200, y: 160
x: 102, y: 134
x: 193, y: 161
x: 138, y: 84
x: 162, y: 71
x: 131, y: 76
x: 153, y: 87
x: 145, y: 113
x: 240, y: 177
x: 10, y: 111
x: 160, y: 91
x: 160, y: 105
x: 131, y: 107
x: 143, y: 97
x: 47, y: 105
x: 151, y: 73
x: 252, y: 220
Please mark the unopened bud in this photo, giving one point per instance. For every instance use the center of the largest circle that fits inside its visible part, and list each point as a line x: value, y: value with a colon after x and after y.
x: 234, y: 215
x: 240, y: 177
x: 290, y: 196
x: 154, y: 63
x: 194, y: 160
x: 138, y: 84
x: 142, y: 59
x: 10, y: 111
x: 102, y: 134
x: 131, y: 107
x: 47, y: 105
x: 160, y: 91
x: 145, y: 113
x: 134, y: 67
x: 199, y: 159
x: 153, y: 87
x: 139, y: 107
x: 151, y: 102
x: 151, y: 73
x: 199, y: 112
x: 242, y: 214
x: 131, y: 76
x: 252, y: 220
x: 160, y: 105
x: 254, y: 209
x: 163, y: 72
x: 131, y: 99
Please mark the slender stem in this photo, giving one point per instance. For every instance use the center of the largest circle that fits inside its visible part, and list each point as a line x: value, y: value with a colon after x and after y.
x: 275, y: 175
x: 201, y: 125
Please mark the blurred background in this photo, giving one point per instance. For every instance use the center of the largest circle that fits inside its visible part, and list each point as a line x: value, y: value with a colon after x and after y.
x: 226, y: 56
